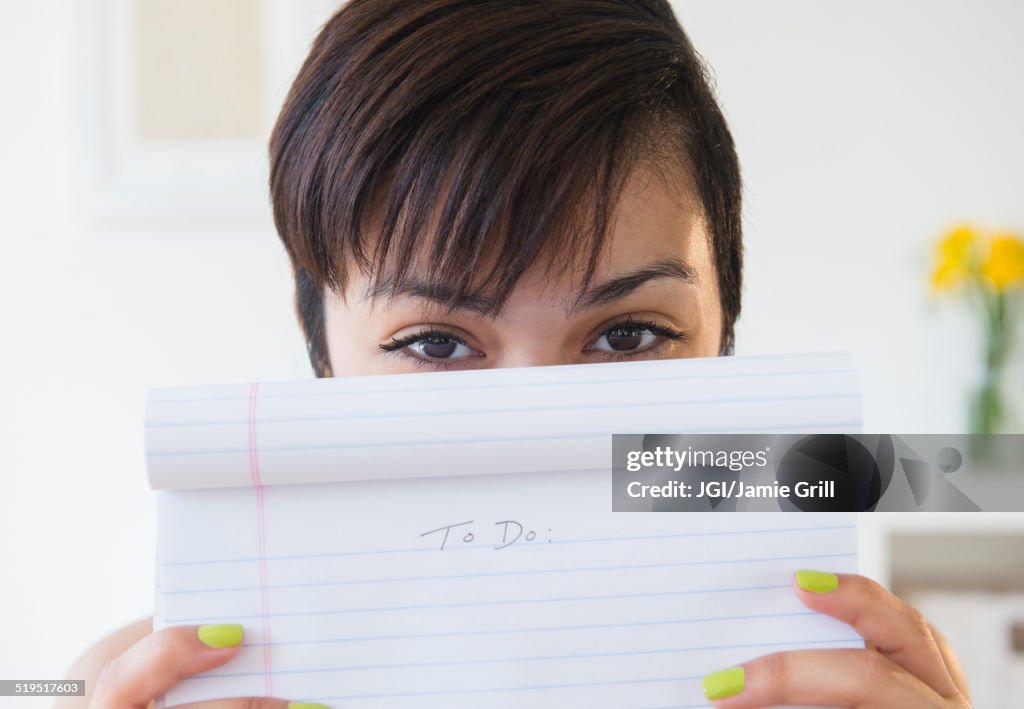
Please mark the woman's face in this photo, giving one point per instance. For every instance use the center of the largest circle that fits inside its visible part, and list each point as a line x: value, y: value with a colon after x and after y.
x: 654, y: 295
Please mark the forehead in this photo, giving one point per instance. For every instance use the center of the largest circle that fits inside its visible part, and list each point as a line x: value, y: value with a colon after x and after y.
x: 656, y: 217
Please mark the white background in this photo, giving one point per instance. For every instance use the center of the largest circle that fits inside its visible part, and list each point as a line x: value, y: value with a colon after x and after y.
x: 864, y: 128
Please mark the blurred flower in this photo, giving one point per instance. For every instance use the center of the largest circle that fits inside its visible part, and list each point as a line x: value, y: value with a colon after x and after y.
x: 991, y: 266
x: 954, y: 258
x: 1004, y: 265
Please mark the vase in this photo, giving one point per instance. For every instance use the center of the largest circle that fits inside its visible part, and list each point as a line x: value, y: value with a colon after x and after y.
x: 988, y: 412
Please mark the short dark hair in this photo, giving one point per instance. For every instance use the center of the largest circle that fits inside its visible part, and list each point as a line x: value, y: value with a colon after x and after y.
x: 484, y: 134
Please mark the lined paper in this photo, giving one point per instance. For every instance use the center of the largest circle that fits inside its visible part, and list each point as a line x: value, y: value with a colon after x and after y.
x: 530, y: 419
x: 446, y: 540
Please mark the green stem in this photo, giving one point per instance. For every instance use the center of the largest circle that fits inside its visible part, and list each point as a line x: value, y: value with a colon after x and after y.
x: 989, y: 408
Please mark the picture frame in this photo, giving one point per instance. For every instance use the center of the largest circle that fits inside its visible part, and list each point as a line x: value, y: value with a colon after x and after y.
x: 141, y: 168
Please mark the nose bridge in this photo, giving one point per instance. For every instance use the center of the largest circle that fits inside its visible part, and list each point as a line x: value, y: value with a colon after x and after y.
x: 535, y: 331
x: 533, y: 354
x: 543, y: 345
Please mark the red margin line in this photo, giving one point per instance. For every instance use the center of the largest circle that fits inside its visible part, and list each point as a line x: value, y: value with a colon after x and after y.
x: 254, y: 469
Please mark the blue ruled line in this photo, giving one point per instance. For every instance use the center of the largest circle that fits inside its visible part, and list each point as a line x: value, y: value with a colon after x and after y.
x: 511, y: 410
x: 451, y: 386
x: 527, y: 572
x: 574, y: 685
x: 538, y: 629
x: 537, y: 658
x: 810, y: 427
x: 490, y: 547
x: 474, y: 604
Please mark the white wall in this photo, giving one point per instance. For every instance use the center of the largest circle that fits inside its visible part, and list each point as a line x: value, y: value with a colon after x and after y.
x: 864, y: 128
x: 90, y: 319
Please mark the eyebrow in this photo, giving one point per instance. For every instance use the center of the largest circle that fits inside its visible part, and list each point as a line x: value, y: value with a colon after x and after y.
x: 434, y: 292
x: 621, y: 286
x: 601, y: 294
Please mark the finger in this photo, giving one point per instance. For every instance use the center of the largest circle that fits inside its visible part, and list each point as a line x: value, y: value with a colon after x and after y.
x: 894, y: 627
x: 250, y: 703
x: 956, y: 671
x: 160, y: 660
x: 858, y: 679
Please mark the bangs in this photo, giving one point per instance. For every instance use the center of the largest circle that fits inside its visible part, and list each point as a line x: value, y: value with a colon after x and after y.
x: 420, y: 174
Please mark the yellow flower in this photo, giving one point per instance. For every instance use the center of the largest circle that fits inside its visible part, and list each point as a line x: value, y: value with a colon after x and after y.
x: 1005, y: 263
x: 954, y: 262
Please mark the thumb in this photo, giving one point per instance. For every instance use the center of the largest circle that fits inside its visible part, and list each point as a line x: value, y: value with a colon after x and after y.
x: 160, y: 660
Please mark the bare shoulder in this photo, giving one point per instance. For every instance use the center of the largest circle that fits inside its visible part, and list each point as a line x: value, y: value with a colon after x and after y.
x: 98, y: 655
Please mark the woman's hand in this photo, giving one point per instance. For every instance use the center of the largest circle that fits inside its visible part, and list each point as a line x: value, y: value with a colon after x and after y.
x: 907, y: 664
x: 160, y: 660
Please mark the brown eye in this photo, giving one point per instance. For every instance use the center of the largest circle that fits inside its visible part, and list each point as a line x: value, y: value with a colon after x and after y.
x: 433, y: 347
x: 438, y: 347
x: 633, y: 338
x: 622, y: 339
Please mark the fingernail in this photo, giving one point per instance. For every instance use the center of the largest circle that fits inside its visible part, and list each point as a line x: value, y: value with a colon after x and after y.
x: 817, y: 581
x: 307, y: 705
x: 222, y: 635
x: 724, y: 683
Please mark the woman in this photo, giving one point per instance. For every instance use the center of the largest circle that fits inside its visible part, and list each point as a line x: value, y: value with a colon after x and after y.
x: 488, y: 183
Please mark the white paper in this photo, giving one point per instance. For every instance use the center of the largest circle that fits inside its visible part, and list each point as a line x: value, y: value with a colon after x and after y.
x: 305, y: 512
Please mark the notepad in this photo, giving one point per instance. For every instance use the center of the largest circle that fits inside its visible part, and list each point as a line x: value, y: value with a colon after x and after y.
x: 446, y: 539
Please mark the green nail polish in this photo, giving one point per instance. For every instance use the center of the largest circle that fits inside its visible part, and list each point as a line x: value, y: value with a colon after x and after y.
x: 817, y: 581
x: 222, y: 635
x: 724, y: 683
x: 307, y: 705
